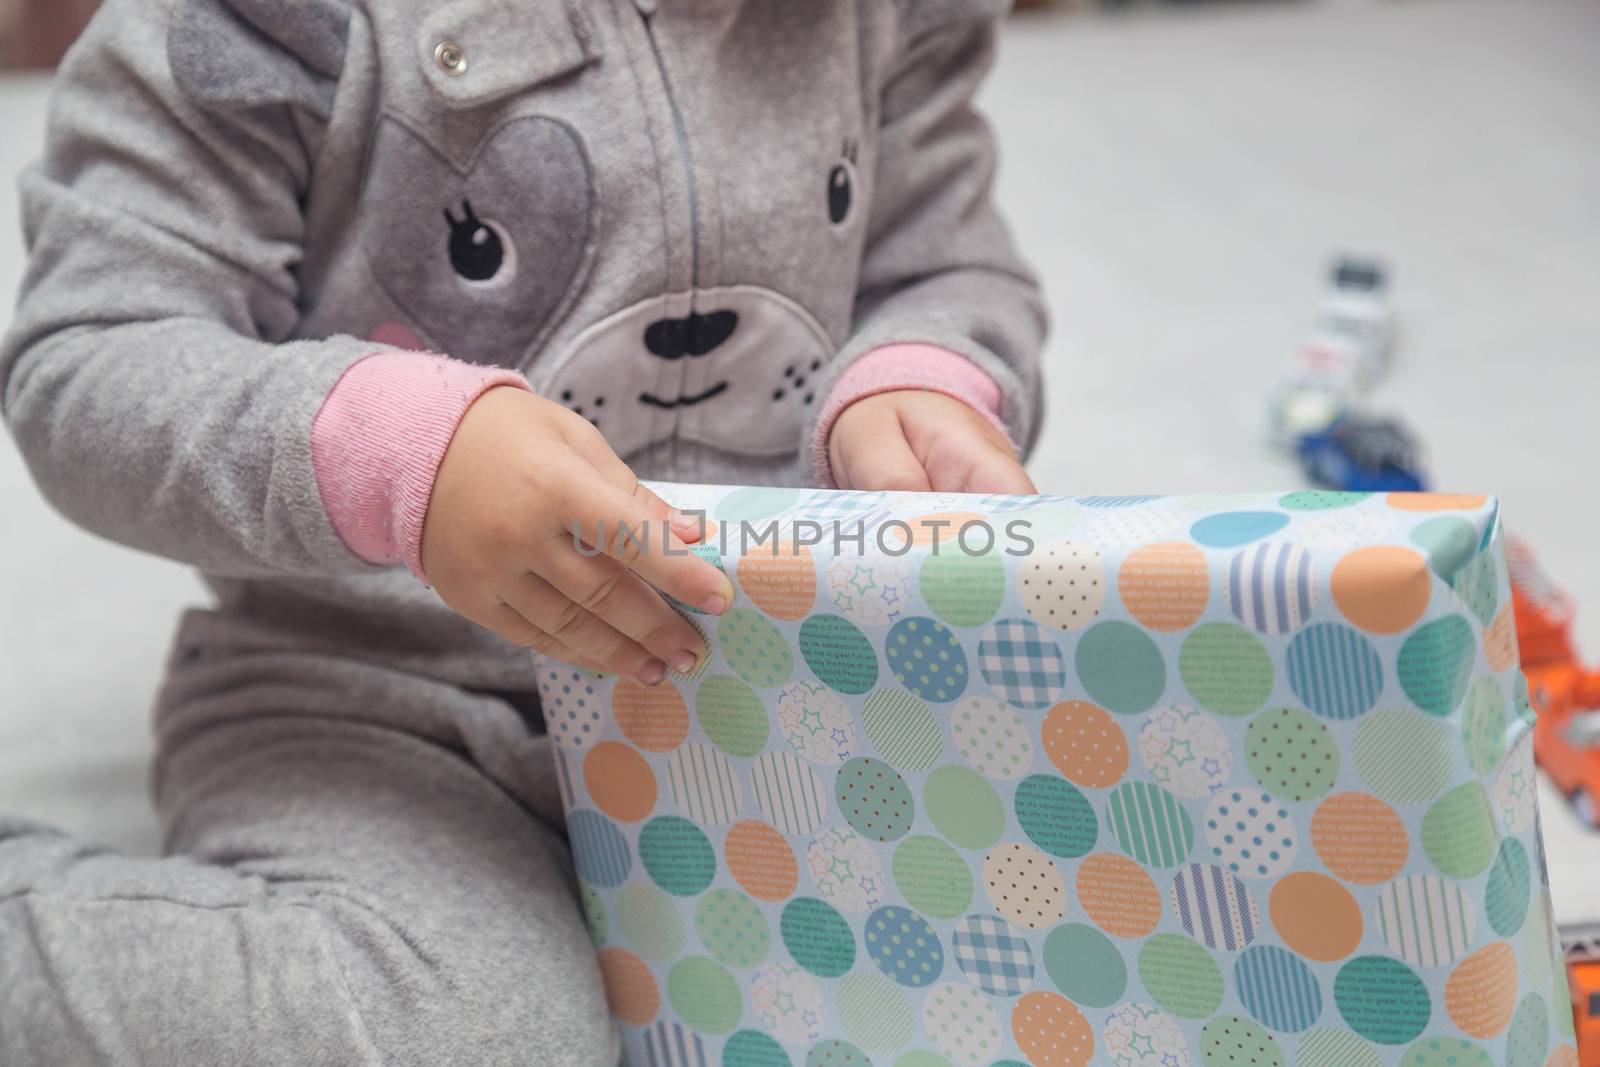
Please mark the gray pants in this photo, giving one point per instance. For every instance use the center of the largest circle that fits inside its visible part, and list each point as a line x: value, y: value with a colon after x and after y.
x: 363, y: 868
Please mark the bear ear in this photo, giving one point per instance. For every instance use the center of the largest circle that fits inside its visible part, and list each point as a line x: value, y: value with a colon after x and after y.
x: 244, y: 54
x: 917, y: 18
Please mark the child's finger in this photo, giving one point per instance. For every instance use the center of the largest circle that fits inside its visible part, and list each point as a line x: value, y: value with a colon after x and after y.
x: 879, y: 458
x: 617, y: 596
x: 577, y: 628
x: 615, y: 522
x: 595, y: 449
x: 504, y: 620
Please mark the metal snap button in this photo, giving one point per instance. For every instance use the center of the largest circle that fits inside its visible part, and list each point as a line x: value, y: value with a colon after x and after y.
x: 451, y: 57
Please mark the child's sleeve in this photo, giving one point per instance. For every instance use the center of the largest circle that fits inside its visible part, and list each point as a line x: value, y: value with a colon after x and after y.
x: 147, y: 378
x: 944, y: 302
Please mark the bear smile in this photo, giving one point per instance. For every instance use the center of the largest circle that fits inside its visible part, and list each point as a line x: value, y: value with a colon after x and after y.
x: 683, y: 401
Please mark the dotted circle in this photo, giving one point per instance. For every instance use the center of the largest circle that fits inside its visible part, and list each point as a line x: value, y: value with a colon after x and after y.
x: 1292, y: 754
x: 927, y: 659
x: 874, y: 799
x: 903, y: 946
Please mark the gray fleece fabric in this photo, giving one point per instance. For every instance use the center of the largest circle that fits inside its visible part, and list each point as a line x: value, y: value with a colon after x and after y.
x: 241, y: 198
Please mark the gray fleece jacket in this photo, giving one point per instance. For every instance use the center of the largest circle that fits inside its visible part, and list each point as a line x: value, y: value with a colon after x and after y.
x: 654, y: 210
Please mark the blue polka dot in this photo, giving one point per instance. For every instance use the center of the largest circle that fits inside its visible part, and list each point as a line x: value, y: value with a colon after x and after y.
x: 904, y: 946
x: 927, y: 659
x: 1233, y: 528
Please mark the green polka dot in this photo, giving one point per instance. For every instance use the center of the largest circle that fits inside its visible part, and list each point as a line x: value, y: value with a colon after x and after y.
x: 704, y: 995
x: 648, y: 920
x: 732, y: 715
x: 932, y: 877
x: 902, y: 729
x: 1382, y: 999
x: 755, y: 649
x: 1435, y: 662
x: 1445, y: 1052
x: 1529, y: 1036
x: 927, y: 659
x: 1292, y: 754
x: 1234, y: 1041
x: 1448, y: 543
x: 1336, y: 1048
x: 873, y: 1013
x: 839, y: 653
x: 1458, y: 831
x: 1085, y: 965
x: 1405, y: 757
x: 963, y: 807
x: 752, y: 1048
x: 1120, y: 667
x: 732, y: 928
x: 677, y: 855
x: 817, y: 937
x: 920, y: 1058
x: 1150, y: 824
x: 754, y: 502
x: 874, y: 799
x: 1505, y: 899
x: 1225, y: 668
x: 1484, y: 717
x: 1320, y: 500
x: 836, y: 1053
x: 594, y: 917
x: 1180, y: 975
x: 1477, y: 585
x: 963, y: 590
x: 1056, y: 816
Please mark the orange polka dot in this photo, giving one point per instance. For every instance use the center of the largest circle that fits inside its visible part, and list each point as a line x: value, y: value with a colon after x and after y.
x: 630, y: 987
x: 780, y: 578
x: 945, y: 526
x: 1563, y: 1056
x: 1500, y: 640
x: 1382, y: 589
x: 1165, y: 586
x: 1118, y: 895
x: 653, y: 717
x: 1434, y: 501
x: 620, y: 781
x: 760, y: 860
x: 1481, y: 993
x: 1051, y: 1031
x: 1315, y: 916
x: 1085, y: 743
x: 1359, y: 838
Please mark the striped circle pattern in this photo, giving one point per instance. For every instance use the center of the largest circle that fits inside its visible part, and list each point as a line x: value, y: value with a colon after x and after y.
x: 1272, y: 587
x: 1208, y: 781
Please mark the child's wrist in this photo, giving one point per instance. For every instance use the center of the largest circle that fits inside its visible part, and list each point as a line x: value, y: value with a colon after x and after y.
x: 378, y: 440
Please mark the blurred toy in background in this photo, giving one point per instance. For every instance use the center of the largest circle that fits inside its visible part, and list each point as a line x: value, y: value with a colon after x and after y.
x: 1316, y: 413
x: 1564, y: 693
x: 1580, y: 946
x: 1362, y: 453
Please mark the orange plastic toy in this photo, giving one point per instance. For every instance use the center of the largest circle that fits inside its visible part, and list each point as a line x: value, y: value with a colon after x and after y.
x: 1566, y: 743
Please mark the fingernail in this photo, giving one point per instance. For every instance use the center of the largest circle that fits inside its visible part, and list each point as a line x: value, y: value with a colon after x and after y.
x: 713, y: 604
x: 684, y: 662
x: 653, y: 672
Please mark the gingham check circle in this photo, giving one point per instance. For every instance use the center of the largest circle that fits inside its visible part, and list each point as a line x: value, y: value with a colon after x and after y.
x: 992, y: 956
x: 1021, y: 663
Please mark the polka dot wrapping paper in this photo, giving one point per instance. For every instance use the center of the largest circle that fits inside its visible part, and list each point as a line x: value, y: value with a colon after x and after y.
x: 1206, y: 781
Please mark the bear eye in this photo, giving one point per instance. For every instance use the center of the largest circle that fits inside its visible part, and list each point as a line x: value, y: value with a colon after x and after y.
x: 841, y: 191
x: 481, y: 252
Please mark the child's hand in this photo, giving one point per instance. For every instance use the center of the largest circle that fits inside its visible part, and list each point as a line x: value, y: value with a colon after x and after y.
x: 914, y: 440
x: 520, y: 474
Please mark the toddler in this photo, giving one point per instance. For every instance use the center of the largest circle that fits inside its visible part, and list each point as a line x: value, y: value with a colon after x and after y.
x: 358, y: 306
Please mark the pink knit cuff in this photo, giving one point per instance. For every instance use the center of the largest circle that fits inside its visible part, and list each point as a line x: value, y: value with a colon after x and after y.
x: 907, y: 365
x: 378, y: 440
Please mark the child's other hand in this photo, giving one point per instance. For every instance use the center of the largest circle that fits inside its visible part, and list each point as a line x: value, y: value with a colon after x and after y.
x: 497, y: 543
x: 914, y: 440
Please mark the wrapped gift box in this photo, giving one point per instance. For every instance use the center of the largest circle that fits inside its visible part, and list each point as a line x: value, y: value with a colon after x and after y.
x: 1223, y: 781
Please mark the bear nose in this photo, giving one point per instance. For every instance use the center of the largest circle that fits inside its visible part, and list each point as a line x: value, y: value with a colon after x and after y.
x: 692, y: 335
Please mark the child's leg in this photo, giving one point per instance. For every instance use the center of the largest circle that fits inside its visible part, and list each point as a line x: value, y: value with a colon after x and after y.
x: 349, y: 894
